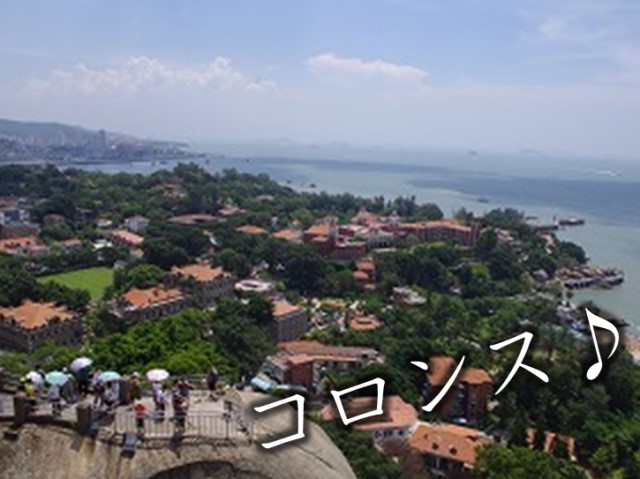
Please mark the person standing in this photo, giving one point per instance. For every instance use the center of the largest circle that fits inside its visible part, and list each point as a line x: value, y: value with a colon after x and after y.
x: 30, y: 391
x: 161, y: 403
x: 180, y: 414
x: 54, y: 399
x: 83, y: 377
x: 98, y: 394
x: 109, y: 397
x: 140, y: 411
x: 184, y: 389
x: 212, y: 381
x: 68, y: 389
x: 136, y: 393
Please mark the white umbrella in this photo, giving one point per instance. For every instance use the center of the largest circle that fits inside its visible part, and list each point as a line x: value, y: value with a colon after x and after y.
x: 34, y: 377
x: 80, y: 363
x: 158, y: 375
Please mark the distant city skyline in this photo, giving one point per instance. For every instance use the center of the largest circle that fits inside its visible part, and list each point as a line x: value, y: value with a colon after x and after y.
x: 556, y: 76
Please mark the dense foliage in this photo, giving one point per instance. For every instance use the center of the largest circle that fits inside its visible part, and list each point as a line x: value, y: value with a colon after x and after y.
x: 475, y: 297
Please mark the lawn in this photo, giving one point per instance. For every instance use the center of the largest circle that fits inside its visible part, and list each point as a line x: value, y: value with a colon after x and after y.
x: 95, y: 280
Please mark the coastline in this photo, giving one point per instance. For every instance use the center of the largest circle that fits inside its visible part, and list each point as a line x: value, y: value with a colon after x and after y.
x: 608, y: 241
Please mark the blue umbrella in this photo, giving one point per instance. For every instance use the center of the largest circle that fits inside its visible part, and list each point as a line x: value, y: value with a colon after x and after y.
x: 56, y: 378
x: 109, y: 376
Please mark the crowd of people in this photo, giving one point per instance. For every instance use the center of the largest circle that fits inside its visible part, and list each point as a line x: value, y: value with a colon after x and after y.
x: 110, y: 391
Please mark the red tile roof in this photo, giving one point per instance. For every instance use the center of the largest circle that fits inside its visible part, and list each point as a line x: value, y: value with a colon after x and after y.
x: 288, y: 234
x: 202, y: 273
x: 440, y: 370
x: 448, y: 441
x: 282, y: 308
x: 251, y: 230
x: 228, y: 211
x: 16, y: 243
x: 474, y: 376
x: 194, y: 219
x: 396, y: 413
x: 128, y: 237
x: 143, y: 298
x: 319, y: 229
x: 362, y: 322
x: 32, y: 315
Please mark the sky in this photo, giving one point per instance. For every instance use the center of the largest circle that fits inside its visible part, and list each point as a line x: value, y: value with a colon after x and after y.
x: 551, y: 75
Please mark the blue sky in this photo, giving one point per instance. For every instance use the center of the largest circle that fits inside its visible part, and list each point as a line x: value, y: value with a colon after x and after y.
x: 553, y: 75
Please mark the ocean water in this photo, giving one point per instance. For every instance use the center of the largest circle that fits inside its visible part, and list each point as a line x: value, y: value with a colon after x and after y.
x: 606, y: 193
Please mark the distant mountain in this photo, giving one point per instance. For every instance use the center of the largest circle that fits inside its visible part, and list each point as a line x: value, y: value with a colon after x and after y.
x: 29, y: 141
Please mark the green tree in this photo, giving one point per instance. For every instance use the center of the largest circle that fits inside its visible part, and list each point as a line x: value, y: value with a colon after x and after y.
x: 497, y: 462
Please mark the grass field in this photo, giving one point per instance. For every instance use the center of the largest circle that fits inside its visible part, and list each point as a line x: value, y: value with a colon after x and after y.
x: 95, y: 280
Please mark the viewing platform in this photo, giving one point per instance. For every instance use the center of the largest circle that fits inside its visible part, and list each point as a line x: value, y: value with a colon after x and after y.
x: 226, y: 419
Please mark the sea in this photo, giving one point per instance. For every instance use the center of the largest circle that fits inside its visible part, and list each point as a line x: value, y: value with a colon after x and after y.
x: 605, y: 192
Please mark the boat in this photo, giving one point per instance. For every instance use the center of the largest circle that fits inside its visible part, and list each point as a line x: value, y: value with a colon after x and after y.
x: 571, y: 221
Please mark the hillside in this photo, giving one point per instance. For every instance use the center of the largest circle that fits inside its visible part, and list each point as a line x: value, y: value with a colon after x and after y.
x: 29, y: 141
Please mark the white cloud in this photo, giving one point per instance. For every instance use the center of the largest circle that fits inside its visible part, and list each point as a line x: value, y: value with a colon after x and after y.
x: 144, y: 73
x: 593, y: 31
x: 374, y: 68
x: 565, y: 29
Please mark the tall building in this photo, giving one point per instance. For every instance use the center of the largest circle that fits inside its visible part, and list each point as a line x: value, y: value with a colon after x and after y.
x: 468, y: 398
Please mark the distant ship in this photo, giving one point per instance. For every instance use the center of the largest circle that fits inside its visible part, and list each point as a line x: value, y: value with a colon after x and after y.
x: 571, y: 221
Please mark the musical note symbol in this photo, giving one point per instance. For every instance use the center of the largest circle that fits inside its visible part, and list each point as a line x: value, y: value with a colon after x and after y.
x: 596, y: 321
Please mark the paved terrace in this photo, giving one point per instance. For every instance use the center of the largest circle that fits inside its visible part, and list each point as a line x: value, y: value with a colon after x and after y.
x: 223, y: 419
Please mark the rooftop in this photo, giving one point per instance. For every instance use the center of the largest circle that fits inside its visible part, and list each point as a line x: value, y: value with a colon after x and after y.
x: 194, y: 219
x: 231, y: 210
x: 288, y: 234
x: 363, y: 322
x: 448, y: 441
x: 319, y: 350
x: 550, y: 440
x: 441, y: 368
x: 142, y: 298
x: 202, y: 273
x: 128, y: 237
x: 474, y: 376
x: 282, y: 308
x: 366, y: 266
x: 396, y: 413
x: 251, y: 230
x: 32, y: 315
x: 17, y: 243
x: 320, y: 229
